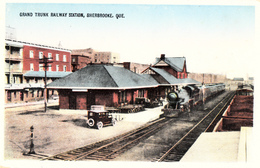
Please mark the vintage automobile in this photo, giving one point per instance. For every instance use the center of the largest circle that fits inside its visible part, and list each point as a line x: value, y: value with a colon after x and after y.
x: 99, y: 117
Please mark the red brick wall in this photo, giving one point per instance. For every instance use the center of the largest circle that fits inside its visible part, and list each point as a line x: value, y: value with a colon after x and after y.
x: 162, y: 92
x: 13, y: 94
x: 115, y: 98
x: 18, y: 96
x: 83, y: 61
x: 129, y: 96
x: 145, y: 93
x: 108, y: 98
x: 105, y: 98
x: 35, y: 60
x: 135, y: 94
x: 64, y: 99
x: 81, y: 101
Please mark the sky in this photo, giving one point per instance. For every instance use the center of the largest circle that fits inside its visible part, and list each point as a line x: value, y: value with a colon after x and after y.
x: 216, y: 39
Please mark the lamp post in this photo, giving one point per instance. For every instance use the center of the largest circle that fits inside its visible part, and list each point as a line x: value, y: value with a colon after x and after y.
x: 31, y: 145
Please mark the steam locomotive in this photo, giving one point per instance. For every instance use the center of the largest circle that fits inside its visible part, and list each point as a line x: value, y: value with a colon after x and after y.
x: 188, y: 97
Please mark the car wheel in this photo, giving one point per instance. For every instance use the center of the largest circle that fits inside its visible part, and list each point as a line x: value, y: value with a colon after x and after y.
x: 99, y: 125
x: 91, y: 122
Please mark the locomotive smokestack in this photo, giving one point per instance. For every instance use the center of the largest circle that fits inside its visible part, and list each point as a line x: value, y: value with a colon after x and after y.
x: 162, y: 56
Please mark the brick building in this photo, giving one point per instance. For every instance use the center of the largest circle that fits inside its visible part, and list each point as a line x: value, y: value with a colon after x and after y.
x: 98, y: 84
x: 25, y: 74
x: 79, y: 61
x: 173, y: 65
x: 106, y: 57
x: 82, y: 57
x: 113, y: 86
x: 13, y: 62
x: 208, y: 78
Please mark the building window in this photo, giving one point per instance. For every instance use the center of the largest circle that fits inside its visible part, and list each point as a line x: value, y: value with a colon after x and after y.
x: 64, y: 58
x: 57, y: 57
x: 122, y: 97
x: 50, y: 68
x: 9, y: 94
x: 73, y: 60
x: 31, y: 53
x: 64, y: 68
x: 40, y: 67
x: 49, y: 56
x: 31, y: 67
x: 40, y: 55
x: 57, y: 67
x: 140, y: 93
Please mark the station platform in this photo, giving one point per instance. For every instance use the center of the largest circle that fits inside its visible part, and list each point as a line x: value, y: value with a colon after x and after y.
x: 232, y: 146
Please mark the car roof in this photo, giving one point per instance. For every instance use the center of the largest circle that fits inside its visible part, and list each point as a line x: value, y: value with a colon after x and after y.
x: 98, y: 111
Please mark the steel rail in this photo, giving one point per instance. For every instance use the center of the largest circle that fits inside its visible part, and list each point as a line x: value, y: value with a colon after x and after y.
x: 113, y: 140
x: 178, y: 142
x: 231, y: 97
x: 125, y: 145
x: 131, y: 142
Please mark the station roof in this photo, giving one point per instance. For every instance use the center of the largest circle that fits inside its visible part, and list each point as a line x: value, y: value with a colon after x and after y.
x: 189, y: 81
x: 102, y: 76
x: 238, y: 79
x: 167, y: 76
x: 151, y: 78
x: 176, y: 63
x: 50, y: 74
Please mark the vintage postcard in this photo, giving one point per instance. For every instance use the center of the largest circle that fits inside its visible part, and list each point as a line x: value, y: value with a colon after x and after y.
x: 158, y: 83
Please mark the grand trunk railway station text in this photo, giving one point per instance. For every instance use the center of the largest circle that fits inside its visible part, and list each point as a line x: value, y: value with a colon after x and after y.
x: 88, y: 15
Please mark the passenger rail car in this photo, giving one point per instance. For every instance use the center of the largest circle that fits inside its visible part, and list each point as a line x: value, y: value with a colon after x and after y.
x: 190, y: 96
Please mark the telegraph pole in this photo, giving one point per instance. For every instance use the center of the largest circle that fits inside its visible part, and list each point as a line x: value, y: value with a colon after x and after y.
x: 45, y: 61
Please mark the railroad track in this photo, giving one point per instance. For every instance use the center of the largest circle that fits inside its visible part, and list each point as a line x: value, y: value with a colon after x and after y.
x: 177, y: 151
x: 111, y: 148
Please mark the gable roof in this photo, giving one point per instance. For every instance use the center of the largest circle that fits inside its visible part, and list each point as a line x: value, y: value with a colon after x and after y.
x: 150, y: 78
x: 102, y: 77
x: 163, y: 77
x: 176, y: 63
x: 166, y: 75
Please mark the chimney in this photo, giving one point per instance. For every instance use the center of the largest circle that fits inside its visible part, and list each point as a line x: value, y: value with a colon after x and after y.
x: 162, y: 56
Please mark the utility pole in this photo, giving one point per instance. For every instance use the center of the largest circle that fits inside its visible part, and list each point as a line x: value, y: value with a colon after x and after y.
x: 45, y: 61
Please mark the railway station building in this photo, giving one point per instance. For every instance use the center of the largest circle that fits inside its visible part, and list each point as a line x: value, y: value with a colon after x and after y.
x: 112, y: 86
x: 100, y: 84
